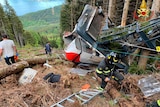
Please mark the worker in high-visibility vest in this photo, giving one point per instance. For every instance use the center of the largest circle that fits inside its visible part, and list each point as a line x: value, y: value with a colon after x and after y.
x: 107, y: 70
x: 158, y: 103
x: 154, y: 104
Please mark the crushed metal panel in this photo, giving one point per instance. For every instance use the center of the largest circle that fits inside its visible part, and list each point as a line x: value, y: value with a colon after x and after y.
x: 79, y: 71
x: 95, y: 26
x: 27, y: 75
x: 149, y: 85
x: 90, y: 21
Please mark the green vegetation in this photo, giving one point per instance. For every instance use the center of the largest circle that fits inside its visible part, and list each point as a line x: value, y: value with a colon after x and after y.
x: 34, y: 29
x: 10, y: 24
x: 70, y: 13
x: 133, y: 69
x: 37, y: 28
x: 42, y: 26
x: 42, y: 20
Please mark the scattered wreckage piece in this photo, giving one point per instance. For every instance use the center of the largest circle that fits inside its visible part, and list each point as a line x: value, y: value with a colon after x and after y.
x: 52, y: 78
x: 13, y: 69
x: 149, y: 85
x: 79, y: 71
x: 27, y: 76
x: 84, y: 96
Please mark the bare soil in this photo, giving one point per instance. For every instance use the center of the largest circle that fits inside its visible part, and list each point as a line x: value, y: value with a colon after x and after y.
x: 40, y: 93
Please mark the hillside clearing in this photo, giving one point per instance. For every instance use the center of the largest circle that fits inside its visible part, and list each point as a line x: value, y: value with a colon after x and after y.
x: 40, y: 93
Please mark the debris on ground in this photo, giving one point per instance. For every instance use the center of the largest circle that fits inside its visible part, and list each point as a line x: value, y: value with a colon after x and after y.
x: 39, y: 92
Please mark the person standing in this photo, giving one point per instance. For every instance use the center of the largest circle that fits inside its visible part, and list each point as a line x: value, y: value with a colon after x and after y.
x: 8, y: 49
x: 48, y: 49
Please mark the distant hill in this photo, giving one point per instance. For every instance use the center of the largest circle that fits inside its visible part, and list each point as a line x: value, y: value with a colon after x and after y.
x: 42, y: 21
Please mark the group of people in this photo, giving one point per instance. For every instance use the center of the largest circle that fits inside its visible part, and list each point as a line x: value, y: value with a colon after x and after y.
x: 9, y: 51
x: 106, y: 69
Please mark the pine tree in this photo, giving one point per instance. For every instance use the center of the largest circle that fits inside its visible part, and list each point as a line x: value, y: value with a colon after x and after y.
x: 2, y: 18
x: 70, y: 13
x: 15, y: 25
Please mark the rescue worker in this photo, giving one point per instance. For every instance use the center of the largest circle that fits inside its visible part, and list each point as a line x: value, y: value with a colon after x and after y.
x: 154, y: 104
x: 107, y: 69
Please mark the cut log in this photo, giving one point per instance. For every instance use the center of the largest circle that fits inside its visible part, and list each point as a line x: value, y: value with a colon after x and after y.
x: 123, y: 102
x: 38, y: 60
x: 12, y: 69
x: 113, y: 92
x: 19, y: 66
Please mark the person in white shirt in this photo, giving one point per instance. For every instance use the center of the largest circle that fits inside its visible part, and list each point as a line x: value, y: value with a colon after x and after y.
x: 8, y: 49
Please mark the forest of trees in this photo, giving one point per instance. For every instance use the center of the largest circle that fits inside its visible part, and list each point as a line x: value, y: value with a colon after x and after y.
x: 11, y: 24
x: 115, y: 9
x: 69, y: 14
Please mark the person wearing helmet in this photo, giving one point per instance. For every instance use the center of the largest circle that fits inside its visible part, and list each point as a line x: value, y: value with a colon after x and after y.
x: 106, y: 69
x: 154, y: 104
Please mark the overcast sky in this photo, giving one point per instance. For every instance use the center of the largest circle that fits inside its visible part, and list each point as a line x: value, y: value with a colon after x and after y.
x: 26, y: 6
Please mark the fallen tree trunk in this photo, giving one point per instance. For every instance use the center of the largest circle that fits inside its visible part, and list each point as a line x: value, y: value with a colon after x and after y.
x: 114, y: 93
x: 19, y: 66
x: 122, y: 101
x: 38, y: 60
x: 12, y: 69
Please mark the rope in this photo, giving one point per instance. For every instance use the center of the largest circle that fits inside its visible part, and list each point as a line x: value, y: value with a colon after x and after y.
x: 128, y: 53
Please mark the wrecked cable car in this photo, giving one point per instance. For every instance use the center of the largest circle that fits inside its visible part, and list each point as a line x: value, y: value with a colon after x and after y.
x: 92, y: 38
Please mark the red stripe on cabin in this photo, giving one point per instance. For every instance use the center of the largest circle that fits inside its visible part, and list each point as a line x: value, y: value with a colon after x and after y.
x: 71, y: 57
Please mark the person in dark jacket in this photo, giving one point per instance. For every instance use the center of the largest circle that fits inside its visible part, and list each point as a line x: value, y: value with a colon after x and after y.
x: 154, y: 104
x: 107, y: 69
x: 48, y: 49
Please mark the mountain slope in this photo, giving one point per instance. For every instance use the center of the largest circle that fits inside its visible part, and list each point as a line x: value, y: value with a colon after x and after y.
x: 42, y: 21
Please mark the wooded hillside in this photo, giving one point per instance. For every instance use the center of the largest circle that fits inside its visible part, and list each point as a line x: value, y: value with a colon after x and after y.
x: 48, y: 17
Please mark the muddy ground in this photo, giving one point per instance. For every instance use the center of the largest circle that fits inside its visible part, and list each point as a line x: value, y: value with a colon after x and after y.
x: 40, y: 93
